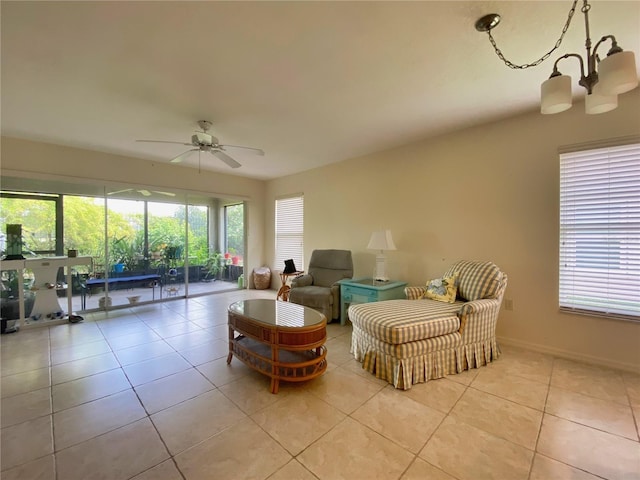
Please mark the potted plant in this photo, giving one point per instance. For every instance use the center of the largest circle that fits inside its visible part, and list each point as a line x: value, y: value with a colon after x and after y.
x: 125, y: 253
x: 212, y: 266
x: 173, y: 252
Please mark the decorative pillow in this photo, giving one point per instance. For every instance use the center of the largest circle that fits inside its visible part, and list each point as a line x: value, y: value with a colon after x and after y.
x: 442, y: 289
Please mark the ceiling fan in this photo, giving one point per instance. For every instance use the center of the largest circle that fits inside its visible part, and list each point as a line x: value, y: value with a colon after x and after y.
x: 205, y: 142
x: 143, y: 192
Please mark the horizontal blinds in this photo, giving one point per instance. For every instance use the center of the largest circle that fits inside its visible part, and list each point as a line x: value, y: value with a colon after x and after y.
x: 600, y: 231
x: 290, y: 231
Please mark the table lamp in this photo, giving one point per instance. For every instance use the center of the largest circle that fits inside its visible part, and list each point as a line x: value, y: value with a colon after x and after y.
x: 381, y: 240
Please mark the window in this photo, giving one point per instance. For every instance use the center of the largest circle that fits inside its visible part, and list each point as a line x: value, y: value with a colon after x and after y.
x: 290, y: 231
x: 600, y: 231
x: 38, y: 215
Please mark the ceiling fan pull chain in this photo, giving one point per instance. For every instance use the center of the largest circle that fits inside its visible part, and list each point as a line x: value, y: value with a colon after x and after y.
x: 510, y: 64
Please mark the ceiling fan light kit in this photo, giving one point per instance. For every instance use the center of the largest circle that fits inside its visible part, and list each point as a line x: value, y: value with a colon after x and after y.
x: 205, y: 142
x: 201, y: 138
x: 603, y: 79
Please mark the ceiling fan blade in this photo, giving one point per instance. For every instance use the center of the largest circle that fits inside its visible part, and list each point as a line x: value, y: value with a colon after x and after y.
x: 257, y: 151
x: 120, y: 191
x: 146, y: 193
x: 168, y: 194
x: 226, y: 158
x: 164, y: 141
x: 182, y: 156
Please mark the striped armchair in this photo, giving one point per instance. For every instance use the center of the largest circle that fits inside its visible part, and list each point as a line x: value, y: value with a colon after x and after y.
x: 418, y: 339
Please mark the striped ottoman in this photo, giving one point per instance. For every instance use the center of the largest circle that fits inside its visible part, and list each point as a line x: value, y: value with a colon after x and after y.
x: 403, y: 344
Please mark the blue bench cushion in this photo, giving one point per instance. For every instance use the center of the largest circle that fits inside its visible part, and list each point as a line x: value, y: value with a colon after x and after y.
x: 115, y: 280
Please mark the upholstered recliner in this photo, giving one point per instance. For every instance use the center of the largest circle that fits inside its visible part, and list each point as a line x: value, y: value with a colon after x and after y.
x: 318, y: 288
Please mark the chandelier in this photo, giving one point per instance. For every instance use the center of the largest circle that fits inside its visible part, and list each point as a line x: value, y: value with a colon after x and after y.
x: 603, y: 79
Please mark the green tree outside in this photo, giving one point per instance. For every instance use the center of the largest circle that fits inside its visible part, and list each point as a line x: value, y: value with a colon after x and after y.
x: 235, y: 228
x: 37, y: 218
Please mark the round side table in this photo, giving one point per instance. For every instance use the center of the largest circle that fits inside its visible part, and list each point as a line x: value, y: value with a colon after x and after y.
x: 283, y: 293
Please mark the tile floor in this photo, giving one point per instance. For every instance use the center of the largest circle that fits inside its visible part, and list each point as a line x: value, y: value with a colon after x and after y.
x: 145, y: 393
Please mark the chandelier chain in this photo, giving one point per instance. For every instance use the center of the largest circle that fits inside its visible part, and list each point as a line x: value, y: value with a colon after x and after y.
x: 510, y: 64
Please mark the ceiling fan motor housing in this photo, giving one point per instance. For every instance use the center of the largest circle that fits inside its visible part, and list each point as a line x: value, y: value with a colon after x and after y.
x: 201, y: 138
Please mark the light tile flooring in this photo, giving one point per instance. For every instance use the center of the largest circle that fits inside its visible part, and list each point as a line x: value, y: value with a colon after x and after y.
x: 146, y: 393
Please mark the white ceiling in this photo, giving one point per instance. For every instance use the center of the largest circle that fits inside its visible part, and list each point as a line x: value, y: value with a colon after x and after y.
x: 311, y: 83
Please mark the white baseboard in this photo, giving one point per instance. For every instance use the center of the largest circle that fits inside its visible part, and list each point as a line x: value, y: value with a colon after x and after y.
x: 558, y: 352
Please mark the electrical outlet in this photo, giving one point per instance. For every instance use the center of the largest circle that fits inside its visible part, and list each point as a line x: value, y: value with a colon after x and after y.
x: 508, y: 304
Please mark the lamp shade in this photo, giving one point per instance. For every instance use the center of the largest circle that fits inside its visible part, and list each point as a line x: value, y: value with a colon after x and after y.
x: 599, y: 103
x: 617, y: 73
x: 555, y: 95
x: 381, y: 240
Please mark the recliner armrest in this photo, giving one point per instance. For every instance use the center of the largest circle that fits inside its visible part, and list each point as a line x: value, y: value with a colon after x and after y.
x: 302, y: 281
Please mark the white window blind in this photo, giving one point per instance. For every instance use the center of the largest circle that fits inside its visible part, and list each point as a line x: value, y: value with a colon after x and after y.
x: 600, y: 231
x: 290, y: 231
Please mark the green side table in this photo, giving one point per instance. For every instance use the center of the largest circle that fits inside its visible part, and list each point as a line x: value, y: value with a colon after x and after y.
x: 365, y: 290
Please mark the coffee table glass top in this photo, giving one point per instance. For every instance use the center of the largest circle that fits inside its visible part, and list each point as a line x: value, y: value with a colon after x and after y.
x: 277, y: 313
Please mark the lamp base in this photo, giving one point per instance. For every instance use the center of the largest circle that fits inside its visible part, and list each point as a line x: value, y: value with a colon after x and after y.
x: 381, y: 280
x: 380, y: 274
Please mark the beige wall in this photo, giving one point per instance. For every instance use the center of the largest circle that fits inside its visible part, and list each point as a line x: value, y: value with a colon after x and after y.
x: 486, y: 193
x: 32, y: 160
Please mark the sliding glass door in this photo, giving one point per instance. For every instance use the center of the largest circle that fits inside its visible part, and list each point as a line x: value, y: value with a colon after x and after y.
x: 84, y: 231
x: 127, y: 273
x: 145, y: 245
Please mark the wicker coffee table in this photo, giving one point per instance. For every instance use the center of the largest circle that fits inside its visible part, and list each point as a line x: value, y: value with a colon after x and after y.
x: 282, y: 340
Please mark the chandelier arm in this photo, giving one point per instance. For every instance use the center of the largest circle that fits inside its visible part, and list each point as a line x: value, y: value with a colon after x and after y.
x: 614, y: 45
x: 600, y: 43
x: 515, y: 66
x: 587, y: 79
x: 567, y: 55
